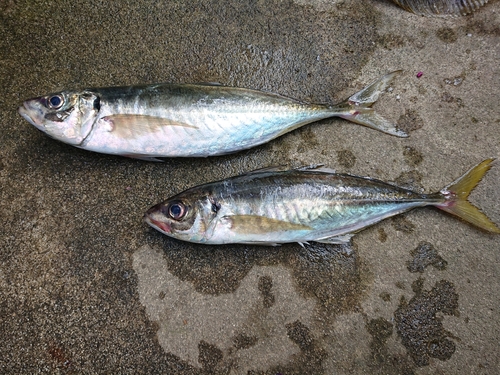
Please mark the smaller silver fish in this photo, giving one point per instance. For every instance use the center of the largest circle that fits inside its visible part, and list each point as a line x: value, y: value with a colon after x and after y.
x: 269, y: 207
x: 170, y: 120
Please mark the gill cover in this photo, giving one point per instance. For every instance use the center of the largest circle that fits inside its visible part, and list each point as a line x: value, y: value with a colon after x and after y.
x: 65, y: 116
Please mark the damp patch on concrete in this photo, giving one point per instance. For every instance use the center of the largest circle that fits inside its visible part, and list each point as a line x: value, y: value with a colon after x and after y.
x: 425, y: 255
x: 409, y: 179
x: 402, y: 224
x: 240, y: 329
x: 447, y: 35
x: 421, y: 328
x: 410, y: 121
x: 380, y: 330
x: 346, y: 158
x: 412, y: 156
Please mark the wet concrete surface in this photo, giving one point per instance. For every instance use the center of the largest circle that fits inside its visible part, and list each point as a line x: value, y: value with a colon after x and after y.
x: 87, y: 287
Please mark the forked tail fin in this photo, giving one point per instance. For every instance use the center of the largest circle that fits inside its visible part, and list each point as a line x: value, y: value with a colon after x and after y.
x: 358, y: 107
x: 456, y: 195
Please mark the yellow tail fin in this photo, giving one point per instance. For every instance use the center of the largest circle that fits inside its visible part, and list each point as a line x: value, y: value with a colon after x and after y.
x: 456, y: 195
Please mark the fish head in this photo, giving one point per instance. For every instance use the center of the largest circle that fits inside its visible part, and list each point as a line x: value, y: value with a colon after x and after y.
x: 187, y: 217
x: 66, y: 116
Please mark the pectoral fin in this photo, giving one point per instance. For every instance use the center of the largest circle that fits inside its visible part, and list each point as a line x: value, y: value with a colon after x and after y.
x: 131, y: 126
x: 246, y: 224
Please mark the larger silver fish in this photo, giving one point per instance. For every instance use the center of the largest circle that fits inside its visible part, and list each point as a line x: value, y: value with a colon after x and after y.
x: 270, y: 207
x: 167, y: 120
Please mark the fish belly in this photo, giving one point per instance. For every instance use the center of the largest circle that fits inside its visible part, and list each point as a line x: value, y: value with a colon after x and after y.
x: 202, y: 121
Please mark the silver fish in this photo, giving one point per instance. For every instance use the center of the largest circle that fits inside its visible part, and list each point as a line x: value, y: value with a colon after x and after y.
x: 269, y: 207
x: 441, y: 7
x: 169, y: 120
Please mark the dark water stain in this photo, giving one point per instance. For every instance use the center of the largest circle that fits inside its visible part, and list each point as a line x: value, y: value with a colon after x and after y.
x: 410, y: 121
x: 300, y: 334
x: 425, y: 255
x: 422, y: 91
x: 265, y: 286
x: 484, y: 27
x: 308, y: 136
x: 402, y: 224
x: 308, y: 361
x: 391, y: 41
x: 242, y: 341
x: 346, y: 158
x: 332, y: 274
x: 386, y: 297
x: 393, y: 364
x: 447, y: 35
x: 446, y: 97
x: 412, y: 156
x: 400, y: 285
x: 381, y: 361
x: 382, y: 235
x: 380, y: 330
x: 420, y: 328
x: 410, y: 179
x: 209, y: 357
x: 308, y: 139
x: 214, y: 270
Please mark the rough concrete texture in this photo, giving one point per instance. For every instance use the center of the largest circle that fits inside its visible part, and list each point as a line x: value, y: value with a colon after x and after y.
x: 87, y: 287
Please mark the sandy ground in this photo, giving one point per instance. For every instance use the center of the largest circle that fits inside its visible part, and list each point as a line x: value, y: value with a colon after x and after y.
x: 87, y: 287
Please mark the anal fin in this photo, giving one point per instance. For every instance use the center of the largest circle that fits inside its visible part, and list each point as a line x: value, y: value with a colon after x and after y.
x: 143, y: 157
x: 336, y: 240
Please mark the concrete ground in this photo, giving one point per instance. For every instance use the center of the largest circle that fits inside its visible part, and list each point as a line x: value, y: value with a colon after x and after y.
x: 87, y: 287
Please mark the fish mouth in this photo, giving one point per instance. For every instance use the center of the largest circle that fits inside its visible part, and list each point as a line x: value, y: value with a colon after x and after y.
x: 27, y: 113
x: 156, y: 224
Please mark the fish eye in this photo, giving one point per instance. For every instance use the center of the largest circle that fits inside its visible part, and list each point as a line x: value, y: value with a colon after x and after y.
x: 177, y: 210
x: 55, y: 101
